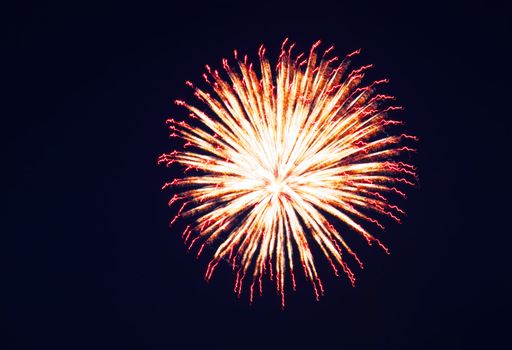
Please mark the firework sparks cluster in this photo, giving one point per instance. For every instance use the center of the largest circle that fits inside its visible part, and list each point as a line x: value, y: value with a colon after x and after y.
x: 275, y: 153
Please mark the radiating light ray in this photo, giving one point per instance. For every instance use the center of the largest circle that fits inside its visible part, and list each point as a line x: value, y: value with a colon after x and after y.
x: 276, y: 151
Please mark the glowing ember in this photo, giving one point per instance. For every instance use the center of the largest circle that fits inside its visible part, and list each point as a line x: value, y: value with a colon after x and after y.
x: 273, y: 155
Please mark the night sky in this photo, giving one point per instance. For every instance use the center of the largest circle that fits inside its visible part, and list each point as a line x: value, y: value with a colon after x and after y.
x: 87, y: 258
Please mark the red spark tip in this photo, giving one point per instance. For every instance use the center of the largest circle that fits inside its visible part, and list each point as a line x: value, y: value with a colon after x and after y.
x: 200, y: 251
x: 315, y: 45
x: 381, y: 81
x: 225, y: 64
x: 261, y: 51
x: 298, y: 57
x: 356, y: 52
x: 334, y: 59
x: 392, y: 108
x: 411, y: 137
x: 328, y: 50
x: 290, y: 49
x: 284, y: 43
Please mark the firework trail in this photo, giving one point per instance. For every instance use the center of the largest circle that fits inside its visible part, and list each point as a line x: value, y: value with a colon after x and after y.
x: 275, y: 153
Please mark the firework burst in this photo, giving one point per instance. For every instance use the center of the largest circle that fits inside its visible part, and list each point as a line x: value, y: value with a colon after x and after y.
x: 277, y: 152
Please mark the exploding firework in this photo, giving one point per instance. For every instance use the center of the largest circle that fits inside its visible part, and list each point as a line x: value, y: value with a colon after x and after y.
x: 275, y: 155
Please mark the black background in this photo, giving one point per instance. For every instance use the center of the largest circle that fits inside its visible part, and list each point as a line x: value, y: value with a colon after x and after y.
x: 88, y: 260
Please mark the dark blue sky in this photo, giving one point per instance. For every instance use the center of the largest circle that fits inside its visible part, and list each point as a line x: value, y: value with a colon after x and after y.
x: 87, y: 258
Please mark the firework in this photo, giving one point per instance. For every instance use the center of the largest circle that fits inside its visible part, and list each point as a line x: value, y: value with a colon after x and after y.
x: 275, y: 153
